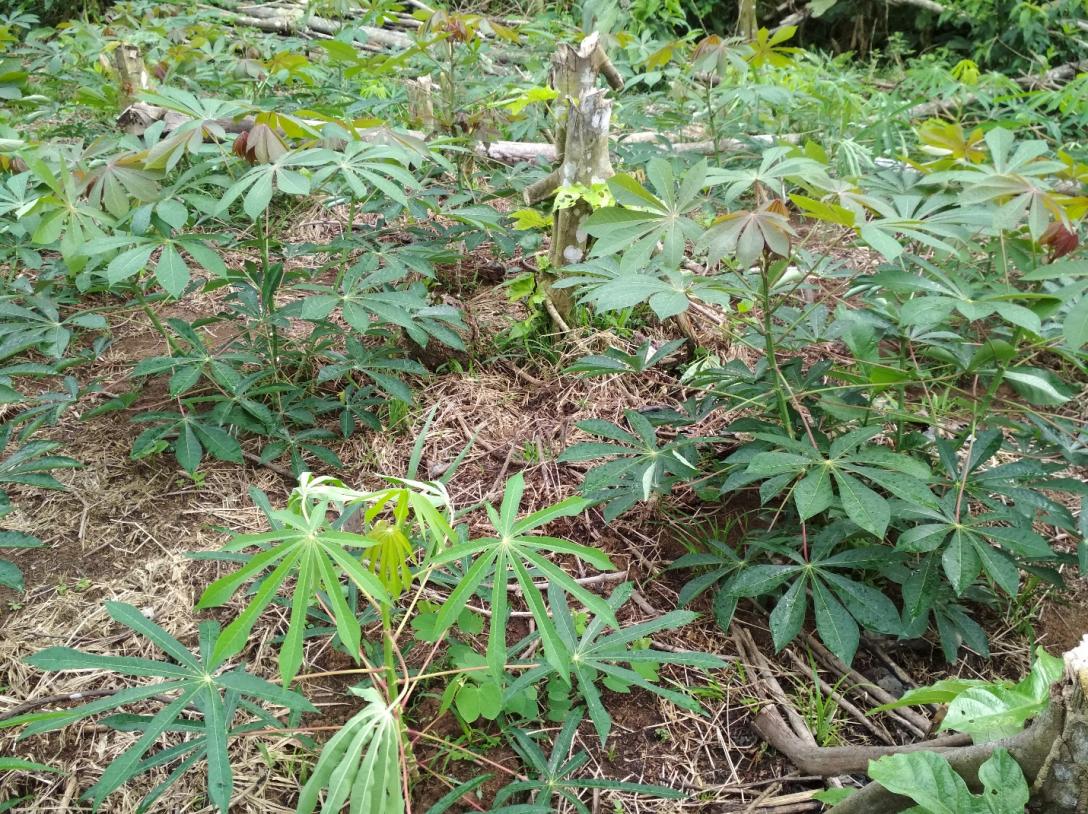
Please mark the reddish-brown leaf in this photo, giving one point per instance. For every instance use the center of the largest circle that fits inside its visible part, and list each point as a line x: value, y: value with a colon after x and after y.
x: 1060, y: 240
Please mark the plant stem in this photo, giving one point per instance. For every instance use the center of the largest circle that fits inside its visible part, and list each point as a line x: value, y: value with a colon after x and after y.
x: 454, y: 747
x: 156, y: 323
x: 769, y: 348
x: 711, y: 118
x: 387, y: 649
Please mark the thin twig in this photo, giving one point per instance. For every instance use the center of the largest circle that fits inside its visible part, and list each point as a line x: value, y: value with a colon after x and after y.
x: 37, y: 703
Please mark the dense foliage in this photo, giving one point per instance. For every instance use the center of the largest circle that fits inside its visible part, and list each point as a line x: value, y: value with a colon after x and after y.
x: 910, y: 293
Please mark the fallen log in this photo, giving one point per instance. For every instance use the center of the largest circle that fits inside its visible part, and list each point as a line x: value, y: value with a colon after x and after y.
x: 295, y: 20
x: 136, y: 118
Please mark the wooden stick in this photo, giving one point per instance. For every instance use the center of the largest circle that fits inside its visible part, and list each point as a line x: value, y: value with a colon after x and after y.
x: 832, y: 693
x: 917, y: 723
x: 747, y: 646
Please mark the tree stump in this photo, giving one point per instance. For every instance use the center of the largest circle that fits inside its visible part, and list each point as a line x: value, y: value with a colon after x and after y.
x: 582, y: 117
x: 585, y: 161
x: 421, y: 104
x: 132, y: 76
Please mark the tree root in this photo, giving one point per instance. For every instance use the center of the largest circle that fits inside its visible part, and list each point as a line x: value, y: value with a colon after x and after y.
x: 1033, y: 749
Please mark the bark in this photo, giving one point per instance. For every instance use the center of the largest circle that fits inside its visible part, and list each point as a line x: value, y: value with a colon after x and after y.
x: 708, y: 147
x: 132, y: 77
x: 291, y: 19
x: 1061, y: 786
x: 421, y: 104
x: 585, y: 161
x: 575, y: 70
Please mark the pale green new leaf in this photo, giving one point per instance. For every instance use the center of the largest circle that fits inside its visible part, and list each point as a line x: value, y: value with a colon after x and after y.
x: 360, y: 765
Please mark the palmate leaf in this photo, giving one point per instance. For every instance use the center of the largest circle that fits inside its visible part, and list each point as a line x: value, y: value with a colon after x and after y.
x: 841, y: 604
x: 927, y: 598
x: 819, y: 475
x: 641, y: 465
x: 516, y: 555
x: 38, y: 325
x: 607, y: 285
x: 370, y: 301
x: 1020, y: 182
x: 360, y: 764
x: 282, y: 174
x: 594, y: 654
x: 994, y: 543
x: 747, y: 234
x: 641, y: 219
x: 361, y: 168
x: 195, y: 747
x: 615, y: 360
x: 556, y: 775
x: 304, y: 547
x: 191, y: 681
x: 722, y: 566
x: 116, y: 183
x: 935, y: 221
x: 767, y: 47
x: 778, y: 170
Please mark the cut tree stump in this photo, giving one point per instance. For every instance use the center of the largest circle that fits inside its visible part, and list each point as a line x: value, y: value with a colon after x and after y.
x: 585, y: 161
x: 421, y: 104
x: 132, y: 76
x: 583, y: 115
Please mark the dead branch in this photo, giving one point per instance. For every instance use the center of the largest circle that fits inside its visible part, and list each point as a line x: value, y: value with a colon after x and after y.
x: 756, y: 660
x: 839, y: 699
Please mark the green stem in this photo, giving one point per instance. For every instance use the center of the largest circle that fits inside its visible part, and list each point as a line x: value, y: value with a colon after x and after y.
x: 156, y: 323
x: 451, y: 85
x: 347, y: 251
x: 769, y: 349
x: 387, y: 650
x: 272, y: 336
x: 711, y: 118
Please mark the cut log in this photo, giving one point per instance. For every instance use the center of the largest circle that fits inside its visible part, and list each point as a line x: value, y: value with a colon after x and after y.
x: 291, y: 19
